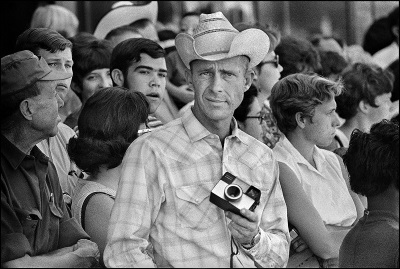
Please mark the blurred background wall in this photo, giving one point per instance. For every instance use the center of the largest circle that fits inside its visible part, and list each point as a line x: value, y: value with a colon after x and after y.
x: 347, y: 20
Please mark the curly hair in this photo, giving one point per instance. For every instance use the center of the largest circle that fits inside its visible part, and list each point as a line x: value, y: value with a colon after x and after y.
x: 297, y: 55
x: 300, y: 93
x: 362, y: 82
x: 108, y: 124
x: 372, y: 159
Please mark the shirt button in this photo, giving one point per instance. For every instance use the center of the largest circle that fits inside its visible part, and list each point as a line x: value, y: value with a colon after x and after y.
x: 196, y: 200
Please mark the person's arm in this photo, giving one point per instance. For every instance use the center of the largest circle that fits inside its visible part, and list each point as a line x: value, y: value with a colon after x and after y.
x: 183, y: 93
x: 303, y: 215
x: 359, y: 200
x: 84, y: 254
x: 97, y: 216
x: 272, y: 249
x: 136, y: 206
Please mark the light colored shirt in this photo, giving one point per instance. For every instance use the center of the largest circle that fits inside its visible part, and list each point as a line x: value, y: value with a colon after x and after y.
x: 56, y: 149
x: 162, y: 215
x: 83, y: 189
x: 324, y: 185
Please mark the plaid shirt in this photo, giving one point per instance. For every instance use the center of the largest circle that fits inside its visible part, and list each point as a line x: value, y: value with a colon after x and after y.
x: 162, y: 215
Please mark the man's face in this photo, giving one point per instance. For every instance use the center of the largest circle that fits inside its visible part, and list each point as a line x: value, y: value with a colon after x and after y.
x: 95, y: 80
x: 45, y: 107
x: 219, y: 87
x: 325, y: 121
x: 148, y: 76
x: 59, y: 61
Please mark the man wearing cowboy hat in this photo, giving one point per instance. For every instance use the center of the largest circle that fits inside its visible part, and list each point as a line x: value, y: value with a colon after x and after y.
x: 162, y: 214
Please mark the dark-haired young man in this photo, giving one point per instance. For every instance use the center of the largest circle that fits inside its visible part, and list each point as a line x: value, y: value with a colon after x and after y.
x: 138, y: 64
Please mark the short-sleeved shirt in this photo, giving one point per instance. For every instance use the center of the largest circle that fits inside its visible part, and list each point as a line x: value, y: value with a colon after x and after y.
x: 56, y: 149
x: 324, y: 185
x: 373, y: 242
x: 34, y: 218
x: 162, y: 213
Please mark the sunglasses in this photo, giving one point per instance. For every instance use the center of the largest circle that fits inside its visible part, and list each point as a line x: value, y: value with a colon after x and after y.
x: 274, y: 61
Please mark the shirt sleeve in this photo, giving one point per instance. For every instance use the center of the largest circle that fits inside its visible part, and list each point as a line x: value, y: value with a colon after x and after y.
x: 136, y: 206
x: 273, y: 247
x: 14, y: 243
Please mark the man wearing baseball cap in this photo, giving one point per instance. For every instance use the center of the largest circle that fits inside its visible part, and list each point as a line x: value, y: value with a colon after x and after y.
x: 162, y: 215
x: 36, y: 230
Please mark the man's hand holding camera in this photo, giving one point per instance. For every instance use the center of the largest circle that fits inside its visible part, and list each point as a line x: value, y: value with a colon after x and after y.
x: 243, y: 228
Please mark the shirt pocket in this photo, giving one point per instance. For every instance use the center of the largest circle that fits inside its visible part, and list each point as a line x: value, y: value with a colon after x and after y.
x: 194, y: 208
x: 29, y: 219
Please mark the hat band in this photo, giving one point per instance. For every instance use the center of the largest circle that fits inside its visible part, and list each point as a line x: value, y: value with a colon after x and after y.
x: 214, y: 53
x: 213, y: 31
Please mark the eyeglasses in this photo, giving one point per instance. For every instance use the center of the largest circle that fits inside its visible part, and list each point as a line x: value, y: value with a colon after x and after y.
x: 260, y: 118
x: 275, y: 61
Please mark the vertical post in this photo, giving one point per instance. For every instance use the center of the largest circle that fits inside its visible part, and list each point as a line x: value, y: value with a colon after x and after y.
x: 286, y: 18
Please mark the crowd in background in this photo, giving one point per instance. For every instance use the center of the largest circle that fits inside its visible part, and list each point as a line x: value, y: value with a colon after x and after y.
x: 108, y: 139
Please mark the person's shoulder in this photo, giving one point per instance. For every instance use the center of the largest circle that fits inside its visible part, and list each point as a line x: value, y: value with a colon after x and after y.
x: 65, y: 131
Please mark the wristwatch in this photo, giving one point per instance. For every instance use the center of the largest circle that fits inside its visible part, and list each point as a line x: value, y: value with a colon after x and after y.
x: 254, y: 240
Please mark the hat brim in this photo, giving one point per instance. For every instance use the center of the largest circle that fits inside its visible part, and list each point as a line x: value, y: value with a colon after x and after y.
x: 125, y: 15
x: 56, y: 75
x: 253, y: 43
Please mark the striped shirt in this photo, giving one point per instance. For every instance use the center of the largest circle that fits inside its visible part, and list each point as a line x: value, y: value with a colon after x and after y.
x: 162, y: 215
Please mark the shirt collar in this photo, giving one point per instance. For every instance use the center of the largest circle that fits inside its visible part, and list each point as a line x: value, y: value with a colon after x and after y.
x: 196, y: 131
x: 15, y: 156
x: 318, y: 157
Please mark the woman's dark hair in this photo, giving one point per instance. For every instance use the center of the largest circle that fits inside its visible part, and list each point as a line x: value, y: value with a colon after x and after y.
x: 243, y: 109
x: 362, y: 82
x: 297, y: 55
x: 89, y: 53
x: 372, y: 159
x: 108, y: 123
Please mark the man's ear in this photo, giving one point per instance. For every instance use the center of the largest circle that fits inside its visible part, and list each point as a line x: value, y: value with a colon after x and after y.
x: 26, y: 107
x: 364, y: 107
x: 249, y: 77
x: 300, y: 119
x: 117, y: 77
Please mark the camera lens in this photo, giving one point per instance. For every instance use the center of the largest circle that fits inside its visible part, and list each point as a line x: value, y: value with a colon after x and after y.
x: 233, y: 192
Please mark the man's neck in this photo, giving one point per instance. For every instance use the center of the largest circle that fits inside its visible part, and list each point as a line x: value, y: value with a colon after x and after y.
x: 386, y: 201
x: 222, y: 128
x: 22, y: 139
x: 303, y: 146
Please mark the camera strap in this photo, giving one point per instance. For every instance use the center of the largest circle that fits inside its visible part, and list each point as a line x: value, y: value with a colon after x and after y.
x: 232, y: 252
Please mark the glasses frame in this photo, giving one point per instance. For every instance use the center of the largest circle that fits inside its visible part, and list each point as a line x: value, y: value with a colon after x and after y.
x: 274, y: 61
x: 260, y: 118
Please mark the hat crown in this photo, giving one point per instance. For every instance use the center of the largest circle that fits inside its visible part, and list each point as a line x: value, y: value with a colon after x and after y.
x: 214, y: 34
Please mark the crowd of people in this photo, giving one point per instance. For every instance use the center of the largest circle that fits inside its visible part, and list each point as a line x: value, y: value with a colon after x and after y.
x: 121, y: 148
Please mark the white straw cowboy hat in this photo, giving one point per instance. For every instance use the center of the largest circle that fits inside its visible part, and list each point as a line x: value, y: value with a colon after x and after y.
x: 123, y: 13
x: 215, y: 39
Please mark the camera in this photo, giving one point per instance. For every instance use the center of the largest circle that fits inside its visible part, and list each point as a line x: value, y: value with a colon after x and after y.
x: 233, y: 194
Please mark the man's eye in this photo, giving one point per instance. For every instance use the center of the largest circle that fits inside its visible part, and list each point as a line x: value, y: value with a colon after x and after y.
x: 68, y: 66
x: 52, y: 64
x: 163, y: 75
x: 146, y: 72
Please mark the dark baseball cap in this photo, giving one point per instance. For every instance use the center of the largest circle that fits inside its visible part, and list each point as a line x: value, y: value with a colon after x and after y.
x: 22, y: 69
